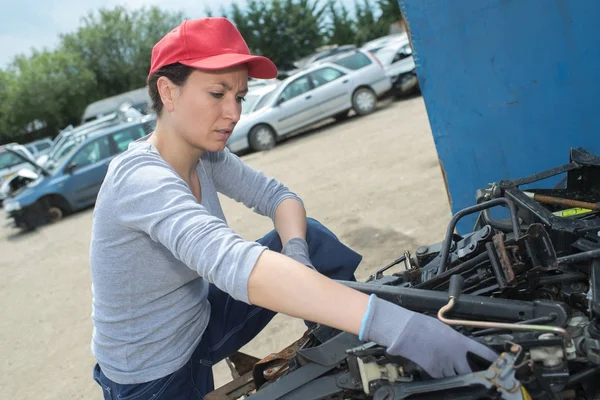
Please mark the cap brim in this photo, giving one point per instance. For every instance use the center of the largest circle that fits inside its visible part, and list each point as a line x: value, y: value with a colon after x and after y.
x: 258, y: 67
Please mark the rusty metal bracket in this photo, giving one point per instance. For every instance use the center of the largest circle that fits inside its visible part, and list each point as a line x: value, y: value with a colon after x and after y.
x: 275, y: 365
x: 250, y: 373
x: 505, y: 264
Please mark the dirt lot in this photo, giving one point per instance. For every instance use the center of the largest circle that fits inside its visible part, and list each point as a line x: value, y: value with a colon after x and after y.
x: 375, y: 181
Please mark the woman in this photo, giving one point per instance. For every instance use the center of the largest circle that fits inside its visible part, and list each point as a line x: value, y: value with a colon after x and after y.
x: 174, y: 289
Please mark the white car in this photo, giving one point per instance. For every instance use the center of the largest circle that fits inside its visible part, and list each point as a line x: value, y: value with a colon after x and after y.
x: 352, y: 80
x: 10, y: 163
x: 397, y: 58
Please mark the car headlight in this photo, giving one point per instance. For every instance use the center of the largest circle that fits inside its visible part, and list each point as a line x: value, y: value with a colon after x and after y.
x: 10, y: 206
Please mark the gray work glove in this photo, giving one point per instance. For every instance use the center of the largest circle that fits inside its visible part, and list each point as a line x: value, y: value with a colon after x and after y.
x: 297, y: 248
x: 432, y: 345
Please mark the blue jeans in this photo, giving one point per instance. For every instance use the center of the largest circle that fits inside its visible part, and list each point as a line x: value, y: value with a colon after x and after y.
x: 232, y: 325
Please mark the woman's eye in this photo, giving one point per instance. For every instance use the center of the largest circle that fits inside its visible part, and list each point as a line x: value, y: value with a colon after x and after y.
x: 216, y: 95
x: 240, y: 99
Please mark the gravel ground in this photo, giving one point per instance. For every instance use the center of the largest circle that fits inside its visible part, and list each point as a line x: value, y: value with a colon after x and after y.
x: 375, y: 181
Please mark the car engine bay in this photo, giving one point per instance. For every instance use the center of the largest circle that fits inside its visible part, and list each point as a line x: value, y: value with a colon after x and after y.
x: 526, y: 284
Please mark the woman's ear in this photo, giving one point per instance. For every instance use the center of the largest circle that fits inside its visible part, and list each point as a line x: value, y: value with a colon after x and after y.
x: 168, y: 92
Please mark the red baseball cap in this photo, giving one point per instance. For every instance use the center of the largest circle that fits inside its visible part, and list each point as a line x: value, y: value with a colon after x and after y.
x: 209, y: 44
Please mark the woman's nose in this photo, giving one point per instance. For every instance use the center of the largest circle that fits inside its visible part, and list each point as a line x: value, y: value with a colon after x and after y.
x: 232, y: 110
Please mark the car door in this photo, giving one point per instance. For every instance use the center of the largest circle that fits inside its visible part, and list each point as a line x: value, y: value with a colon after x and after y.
x: 331, y: 91
x: 86, y: 171
x: 295, y: 105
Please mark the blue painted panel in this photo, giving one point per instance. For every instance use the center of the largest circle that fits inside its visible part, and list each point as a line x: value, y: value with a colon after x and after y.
x: 509, y: 85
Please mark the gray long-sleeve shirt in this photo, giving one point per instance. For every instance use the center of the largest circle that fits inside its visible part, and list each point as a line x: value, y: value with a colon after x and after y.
x: 154, y: 251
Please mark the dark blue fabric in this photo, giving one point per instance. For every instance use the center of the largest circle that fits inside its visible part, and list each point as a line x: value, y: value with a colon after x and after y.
x: 233, y: 324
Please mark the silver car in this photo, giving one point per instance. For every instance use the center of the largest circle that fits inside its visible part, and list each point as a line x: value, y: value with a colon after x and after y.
x: 352, y: 81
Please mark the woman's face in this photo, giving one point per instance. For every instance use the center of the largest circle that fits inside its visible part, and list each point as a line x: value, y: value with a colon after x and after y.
x: 207, y: 107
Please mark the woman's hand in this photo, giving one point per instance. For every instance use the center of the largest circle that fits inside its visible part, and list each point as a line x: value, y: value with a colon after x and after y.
x: 432, y: 345
x: 284, y: 285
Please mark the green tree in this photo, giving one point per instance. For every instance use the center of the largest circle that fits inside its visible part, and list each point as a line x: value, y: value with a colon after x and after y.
x: 342, y: 29
x: 283, y: 30
x: 48, y: 87
x: 368, y: 26
x: 117, y: 44
x: 7, y: 80
x: 390, y: 11
x: 110, y: 52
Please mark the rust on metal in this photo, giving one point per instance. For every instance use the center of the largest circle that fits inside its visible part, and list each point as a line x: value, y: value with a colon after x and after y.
x: 255, y: 372
x: 276, y: 364
x: 565, y: 202
x: 505, y: 263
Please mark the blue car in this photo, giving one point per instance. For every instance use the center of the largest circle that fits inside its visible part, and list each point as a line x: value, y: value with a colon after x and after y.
x: 72, y: 183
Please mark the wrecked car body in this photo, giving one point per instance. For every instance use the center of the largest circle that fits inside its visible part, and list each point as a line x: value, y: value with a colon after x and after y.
x: 526, y: 285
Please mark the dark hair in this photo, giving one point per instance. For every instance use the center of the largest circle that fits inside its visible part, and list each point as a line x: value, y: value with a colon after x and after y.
x: 177, y: 73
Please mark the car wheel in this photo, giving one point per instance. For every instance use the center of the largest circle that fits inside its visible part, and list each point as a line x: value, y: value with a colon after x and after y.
x: 262, y: 137
x: 53, y: 209
x: 55, y: 214
x: 364, y: 101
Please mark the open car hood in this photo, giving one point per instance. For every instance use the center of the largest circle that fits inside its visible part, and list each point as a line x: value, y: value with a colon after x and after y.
x: 37, y: 166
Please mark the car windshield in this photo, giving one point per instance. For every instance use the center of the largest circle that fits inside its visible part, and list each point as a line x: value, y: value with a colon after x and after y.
x: 264, y: 99
x: 253, y: 102
x: 9, y: 160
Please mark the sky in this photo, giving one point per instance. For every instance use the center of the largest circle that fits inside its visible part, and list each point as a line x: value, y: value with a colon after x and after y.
x: 27, y: 24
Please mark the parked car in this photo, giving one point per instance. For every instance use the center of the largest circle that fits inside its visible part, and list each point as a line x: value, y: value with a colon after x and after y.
x: 397, y: 58
x: 288, y: 69
x: 18, y: 162
x: 138, y: 98
x: 19, y: 179
x: 39, y: 147
x: 65, y: 138
x: 13, y: 161
x: 353, y: 80
x: 74, y: 181
x: 327, y: 51
x: 376, y: 44
x: 257, y: 95
x: 253, y: 82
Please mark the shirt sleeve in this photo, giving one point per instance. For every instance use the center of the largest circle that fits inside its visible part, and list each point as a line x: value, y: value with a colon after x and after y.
x: 152, y: 198
x: 247, y: 185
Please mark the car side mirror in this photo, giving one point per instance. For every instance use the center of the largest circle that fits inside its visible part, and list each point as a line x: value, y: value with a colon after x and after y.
x: 70, y: 168
x: 279, y: 101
